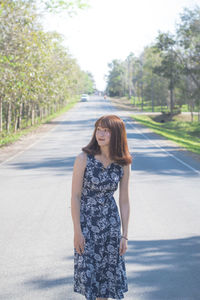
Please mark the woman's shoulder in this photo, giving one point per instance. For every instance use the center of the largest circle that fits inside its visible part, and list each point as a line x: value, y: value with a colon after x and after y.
x: 81, y: 159
x: 127, y: 168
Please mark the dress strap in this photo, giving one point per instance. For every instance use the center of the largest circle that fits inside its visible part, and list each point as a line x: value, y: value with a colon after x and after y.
x: 89, y: 157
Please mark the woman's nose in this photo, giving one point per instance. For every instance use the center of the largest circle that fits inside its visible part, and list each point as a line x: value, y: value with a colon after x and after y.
x: 102, y: 132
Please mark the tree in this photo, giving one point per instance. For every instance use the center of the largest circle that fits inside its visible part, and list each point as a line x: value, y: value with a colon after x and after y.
x: 170, y: 66
x: 188, y: 38
x: 37, y: 74
x: 155, y: 87
x: 57, y: 6
x: 115, y: 78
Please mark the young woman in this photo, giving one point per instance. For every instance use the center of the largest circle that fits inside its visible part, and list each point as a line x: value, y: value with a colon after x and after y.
x: 99, y: 246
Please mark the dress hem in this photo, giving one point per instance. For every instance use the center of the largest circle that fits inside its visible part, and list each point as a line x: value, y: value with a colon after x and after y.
x: 99, y: 296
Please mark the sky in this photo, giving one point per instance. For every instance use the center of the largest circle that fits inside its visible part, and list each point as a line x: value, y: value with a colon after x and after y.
x: 112, y: 29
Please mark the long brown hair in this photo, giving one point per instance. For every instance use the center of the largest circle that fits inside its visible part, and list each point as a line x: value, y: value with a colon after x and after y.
x: 118, y: 147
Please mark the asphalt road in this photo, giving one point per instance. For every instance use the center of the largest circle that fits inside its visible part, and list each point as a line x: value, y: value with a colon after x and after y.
x: 36, y: 236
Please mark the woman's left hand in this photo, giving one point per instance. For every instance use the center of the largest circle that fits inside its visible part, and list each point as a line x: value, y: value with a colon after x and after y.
x: 123, y: 246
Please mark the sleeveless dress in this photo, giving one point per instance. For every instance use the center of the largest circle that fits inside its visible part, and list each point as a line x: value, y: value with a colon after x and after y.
x: 100, y: 271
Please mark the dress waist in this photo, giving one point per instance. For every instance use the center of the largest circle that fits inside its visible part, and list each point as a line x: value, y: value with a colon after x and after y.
x: 94, y: 199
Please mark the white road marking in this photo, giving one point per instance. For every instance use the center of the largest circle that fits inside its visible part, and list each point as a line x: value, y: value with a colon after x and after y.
x: 158, y: 146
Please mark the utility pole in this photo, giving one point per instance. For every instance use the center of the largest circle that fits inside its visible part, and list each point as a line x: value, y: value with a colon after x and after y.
x: 129, y: 78
x: 152, y: 94
x: 142, y: 104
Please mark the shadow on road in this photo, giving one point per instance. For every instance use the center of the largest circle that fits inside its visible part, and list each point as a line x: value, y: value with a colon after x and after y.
x: 166, y: 269
x: 55, y: 164
x: 157, y: 269
x: 165, y: 160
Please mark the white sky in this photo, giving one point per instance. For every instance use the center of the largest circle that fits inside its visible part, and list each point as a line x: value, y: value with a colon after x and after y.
x: 111, y: 29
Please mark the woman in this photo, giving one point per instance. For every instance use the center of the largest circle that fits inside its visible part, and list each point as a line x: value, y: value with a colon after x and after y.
x: 99, y: 265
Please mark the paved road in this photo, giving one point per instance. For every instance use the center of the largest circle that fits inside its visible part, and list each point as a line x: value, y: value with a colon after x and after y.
x: 36, y: 243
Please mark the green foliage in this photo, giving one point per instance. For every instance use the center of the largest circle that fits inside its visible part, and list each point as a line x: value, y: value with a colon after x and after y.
x: 167, y: 73
x: 115, y: 78
x: 89, y: 85
x: 188, y: 39
x: 185, y: 134
x: 37, y: 74
x: 70, y: 7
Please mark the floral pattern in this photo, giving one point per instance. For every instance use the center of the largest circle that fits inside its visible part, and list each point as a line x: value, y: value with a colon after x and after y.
x: 100, y: 271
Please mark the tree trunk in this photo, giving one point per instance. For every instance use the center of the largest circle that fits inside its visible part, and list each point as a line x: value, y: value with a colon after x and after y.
x: 192, y: 110
x: 142, y: 96
x: 1, y: 116
x: 152, y: 95
x: 28, y: 114
x: 41, y: 113
x: 15, y: 119
x: 20, y: 116
x: 192, y: 116
x: 171, y: 100
x: 8, y: 117
x: 32, y: 115
x: 161, y: 104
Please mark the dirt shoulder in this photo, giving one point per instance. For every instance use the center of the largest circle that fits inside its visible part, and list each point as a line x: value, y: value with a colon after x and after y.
x: 122, y: 104
x: 7, y: 152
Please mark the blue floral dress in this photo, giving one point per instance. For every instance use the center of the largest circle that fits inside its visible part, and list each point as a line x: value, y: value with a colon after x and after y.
x: 100, y: 271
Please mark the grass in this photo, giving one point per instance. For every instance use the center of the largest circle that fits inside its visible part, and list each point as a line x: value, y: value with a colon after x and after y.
x: 185, y: 134
x: 6, y: 138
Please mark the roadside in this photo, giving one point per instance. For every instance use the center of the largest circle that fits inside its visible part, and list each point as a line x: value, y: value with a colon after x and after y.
x: 125, y: 105
x: 26, y: 140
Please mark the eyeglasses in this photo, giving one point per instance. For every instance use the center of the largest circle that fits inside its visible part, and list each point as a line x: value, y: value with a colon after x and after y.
x: 105, y: 131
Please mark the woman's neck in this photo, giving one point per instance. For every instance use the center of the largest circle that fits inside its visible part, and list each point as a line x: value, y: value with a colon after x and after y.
x: 105, y: 152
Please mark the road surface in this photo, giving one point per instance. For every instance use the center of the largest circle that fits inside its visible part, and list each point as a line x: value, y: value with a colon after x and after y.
x: 36, y: 236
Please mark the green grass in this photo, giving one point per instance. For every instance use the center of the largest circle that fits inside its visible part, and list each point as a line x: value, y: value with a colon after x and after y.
x: 6, y: 138
x: 185, y: 134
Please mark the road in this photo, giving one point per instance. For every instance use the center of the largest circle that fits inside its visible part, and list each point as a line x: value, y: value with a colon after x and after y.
x: 36, y: 236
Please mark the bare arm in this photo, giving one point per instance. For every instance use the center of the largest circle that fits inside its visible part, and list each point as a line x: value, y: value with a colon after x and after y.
x: 77, y: 182
x: 124, y: 206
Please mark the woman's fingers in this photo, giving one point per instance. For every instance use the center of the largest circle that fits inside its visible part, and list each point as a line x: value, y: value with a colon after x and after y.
x: 78, y: 250
x: 79, y: 243
x: 80, y: 247
x: 122, y: 247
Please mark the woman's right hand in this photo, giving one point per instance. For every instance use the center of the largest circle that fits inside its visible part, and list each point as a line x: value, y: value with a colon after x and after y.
x: 79, y: 242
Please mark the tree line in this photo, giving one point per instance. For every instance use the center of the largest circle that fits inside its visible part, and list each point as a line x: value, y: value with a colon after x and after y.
x: 38, y: 76
x: 166, y: 73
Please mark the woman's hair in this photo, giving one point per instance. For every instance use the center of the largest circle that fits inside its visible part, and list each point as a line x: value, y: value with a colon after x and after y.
x: 118, y: 141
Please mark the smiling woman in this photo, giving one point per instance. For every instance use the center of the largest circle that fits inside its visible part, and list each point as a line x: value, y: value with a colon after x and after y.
x: 99, y: 246
x: 111, y: 130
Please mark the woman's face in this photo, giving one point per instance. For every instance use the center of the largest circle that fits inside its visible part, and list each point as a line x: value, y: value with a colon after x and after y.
x: 103, y: 135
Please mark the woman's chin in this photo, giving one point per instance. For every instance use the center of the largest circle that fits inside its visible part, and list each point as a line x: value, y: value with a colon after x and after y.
x: 102, y: 143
